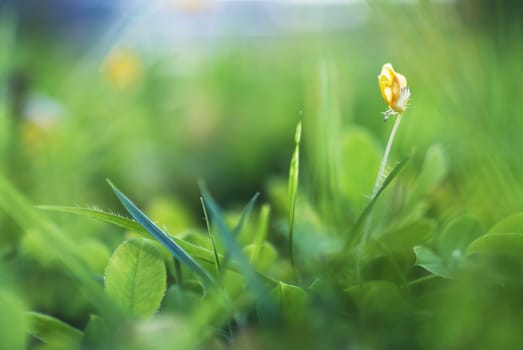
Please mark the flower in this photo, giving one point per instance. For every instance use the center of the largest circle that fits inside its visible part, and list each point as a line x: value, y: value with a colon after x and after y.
x: 394, y: 90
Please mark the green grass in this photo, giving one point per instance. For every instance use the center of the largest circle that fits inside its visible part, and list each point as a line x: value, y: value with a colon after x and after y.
x: 430, y: 259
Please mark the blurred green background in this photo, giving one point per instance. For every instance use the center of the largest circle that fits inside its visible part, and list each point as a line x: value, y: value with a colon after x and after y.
x: 157, y: 95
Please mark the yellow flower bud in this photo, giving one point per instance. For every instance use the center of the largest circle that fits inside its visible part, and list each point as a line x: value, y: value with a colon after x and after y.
x: 394, y: 90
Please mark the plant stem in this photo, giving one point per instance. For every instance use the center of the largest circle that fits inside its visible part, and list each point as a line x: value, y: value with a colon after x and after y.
x: 386, y: 155
x: 377, y: 185
x: 381, y: 173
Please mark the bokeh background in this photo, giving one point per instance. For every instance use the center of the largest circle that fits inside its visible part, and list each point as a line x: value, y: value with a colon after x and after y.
x: 155, y: 95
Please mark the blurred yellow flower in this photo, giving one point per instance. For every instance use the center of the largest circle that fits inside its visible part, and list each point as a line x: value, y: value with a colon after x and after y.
x: 122, y: 67
x: 394, y: 90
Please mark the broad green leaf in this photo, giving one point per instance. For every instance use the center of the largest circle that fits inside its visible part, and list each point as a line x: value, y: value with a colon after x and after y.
x: 502, y: 244
x: 510, y: 224
x: 56, y: 333
x: 96, y: 334
x: 181, y: 301
x: 136, y: 276
x: 161, y: 236
x: 457, y: 235
x: 13, y: 323
x: 404, y: 238
x: 432, y: 262
x: 360, y: 159
x: 435, y: 168
x: 293, y: 188
x: 355, y: 233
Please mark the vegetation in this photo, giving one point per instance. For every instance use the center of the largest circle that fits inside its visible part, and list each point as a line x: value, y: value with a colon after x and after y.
x: 242, y: 208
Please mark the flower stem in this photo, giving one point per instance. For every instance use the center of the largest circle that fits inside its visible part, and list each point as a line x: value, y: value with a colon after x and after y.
x: 383, y: 165
x: 379, y: 180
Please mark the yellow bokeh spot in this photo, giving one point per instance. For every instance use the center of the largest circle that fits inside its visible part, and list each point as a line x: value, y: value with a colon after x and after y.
x: 122, y: 68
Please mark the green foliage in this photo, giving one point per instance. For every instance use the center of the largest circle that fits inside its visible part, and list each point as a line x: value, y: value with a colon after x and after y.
x: 136, y: 277
x: 356, y: 233
x: 161, y: 236
x: 198, y: 252
x: 96, y: 334
x: 435, y: 168
x: 502, y: 244
x: 360, y: 157
x: 294, y: 172
x: 13, y: 323
x: 452, y: 245
x: 52, y: 331
x: 432, y: 259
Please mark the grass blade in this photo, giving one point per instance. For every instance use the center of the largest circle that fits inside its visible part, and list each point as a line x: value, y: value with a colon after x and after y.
x: 111, y: 218
x: 261, y: 232
x: 293, y: 188
x: 356, y: 233
x: 59, y: 244
x: 161, y: 236
x: 246, y: 213
x: 211, y: 235
x: 251, y: 277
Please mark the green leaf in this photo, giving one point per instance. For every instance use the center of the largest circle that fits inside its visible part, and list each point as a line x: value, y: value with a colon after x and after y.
x: 251, y: 277
x: 246, y: 213
x: 402, y: 239
x: 379, y: 302
x: 510, y: 224
x: 265, y: 255
x: 456, y: 237
x: 503, y: 244
x: 52, y: 331
x: 261, y: 231
x: 360, y: 156
x: 111, y: 218
x: 200, y: 253
x: 136, y: 277
x: 161, y: 236
x: 292, y: 299
x: 96, y: 334
x: 181, y: 301
x: 13, y: 323
x: 294, y: 171
x: 58, y: 243
x: 435, y: 168
x: 355, y: 233
x: 432, y: 262
x: 211, y: 236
